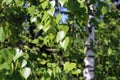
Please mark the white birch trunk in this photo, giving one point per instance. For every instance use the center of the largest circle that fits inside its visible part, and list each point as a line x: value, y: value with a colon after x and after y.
x: 89, y: 57
x: 88, y: 53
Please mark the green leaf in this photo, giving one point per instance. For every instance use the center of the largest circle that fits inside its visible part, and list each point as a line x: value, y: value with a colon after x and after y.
x: 4, y: 66
x: 35, y: 41
x: 19, y: 2
x: 64, y: 28
x: 104, y: 10
x: 4, y: 29
x: 39, y: 26
x: 49, y: 71
x: 25, y: 72
x: 6, y: 1
x: 24, y: 63
x: 58, y: 18
x: 62, y: 2
x: 69, y: 66
x: 43, y: 78
x: 2, y: 34
x: 31, y: 9
x: 33, y: 19
x: 52, y: 3
x: 60, y: 36
x: 44, y: 4
x: 46, y: 26
x: 7, y: 54
x: 43, y: 62
x: 65, y: 43
x: 51, y: 11
x: 18, y: 54
x: 45, y: 17
x: 76, y: 72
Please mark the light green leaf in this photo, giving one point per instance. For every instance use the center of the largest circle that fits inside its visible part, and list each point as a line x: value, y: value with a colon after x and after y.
x: 109, y: 51
x: 25, y: 72
x: 64, y: 28
x: 18, y: 54
x: 39, y: 26
x: 6, y: 1
x: 33, y: 19
x: 58, y: 18
x: 76, y: 72
x: 24, y: 63
x: 35, y: 41
x: 19, y: 2
x: 104, y: 10
x: 2, y: 34
x: 49, y: 71
x: 65, y: 43
x: 45, y: 17
x: 43, y: 62
x: 44, y: 4
x: 58, y: 70
x: 7, y: 54
x: 69, y: 66
x: 43, y: 78
x: 81, y: 1
x: 62, y: 2
x: 52, y: 3
x: 31, y: 9
x: 4, y: 66
x: 51, y: 11
x: 60, y: 36
x: 46, y: 26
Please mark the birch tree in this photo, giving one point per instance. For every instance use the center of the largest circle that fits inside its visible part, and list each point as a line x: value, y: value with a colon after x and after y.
x: 89, y: 55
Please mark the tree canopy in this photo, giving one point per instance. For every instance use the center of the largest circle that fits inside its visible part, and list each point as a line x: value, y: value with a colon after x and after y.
x: 37, y: 42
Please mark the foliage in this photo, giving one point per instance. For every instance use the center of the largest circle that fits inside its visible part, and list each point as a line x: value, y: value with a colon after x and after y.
x: 36, y: 45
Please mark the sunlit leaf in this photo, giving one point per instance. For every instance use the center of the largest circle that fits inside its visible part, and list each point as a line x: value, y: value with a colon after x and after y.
x: 60, y: 36
x: 64, y: 28
x: 58, y: 18
x: 24, y: 63
x: 18, y: 54
x: 62, y: 2
x: 49, y: 72
x: 44, y: 4
x: 51, y: 11
x: 33, y: 19
x: 69, y: 66
x: 46, y: 26
x: 45, y: 17
x: 52, y: 3
x: 25, y: 72
x: 39, y: 26
x: 31, y: 9
x: 65, y: 43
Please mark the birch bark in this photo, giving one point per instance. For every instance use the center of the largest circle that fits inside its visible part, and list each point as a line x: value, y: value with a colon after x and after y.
x: 88, y: 53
